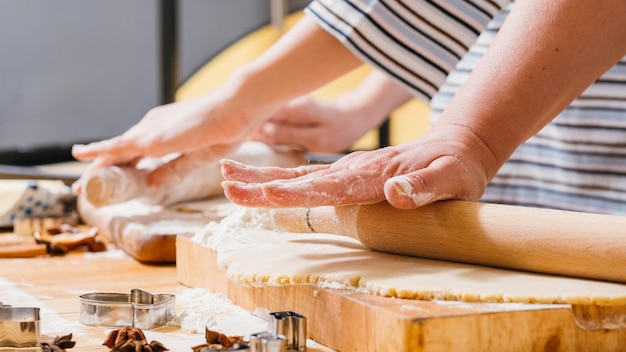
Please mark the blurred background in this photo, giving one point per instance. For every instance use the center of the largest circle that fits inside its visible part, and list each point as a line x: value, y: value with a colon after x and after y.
x: 82, y: 70
x: 77, y: 71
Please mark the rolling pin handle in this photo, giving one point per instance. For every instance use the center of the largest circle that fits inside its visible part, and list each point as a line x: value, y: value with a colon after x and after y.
x: 323, y: 219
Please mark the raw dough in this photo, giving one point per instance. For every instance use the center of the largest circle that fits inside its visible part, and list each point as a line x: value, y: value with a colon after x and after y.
x: 118, y: 184
x: 253, y: 253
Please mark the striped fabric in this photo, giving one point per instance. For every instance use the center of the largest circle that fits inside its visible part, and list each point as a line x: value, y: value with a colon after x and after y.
x: 577, y: 162
x: 416, y: 42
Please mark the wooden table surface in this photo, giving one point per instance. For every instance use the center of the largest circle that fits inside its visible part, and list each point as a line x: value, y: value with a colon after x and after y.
x: 54, y: 284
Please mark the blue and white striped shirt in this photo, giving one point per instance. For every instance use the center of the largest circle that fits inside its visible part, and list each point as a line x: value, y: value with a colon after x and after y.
x: 577, y: 162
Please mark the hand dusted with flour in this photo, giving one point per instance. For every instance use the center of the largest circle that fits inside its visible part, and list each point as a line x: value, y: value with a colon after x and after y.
x: 449, y: 163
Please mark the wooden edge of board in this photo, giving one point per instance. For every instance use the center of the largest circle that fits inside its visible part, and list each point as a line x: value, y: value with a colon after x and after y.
x: 349, y: 321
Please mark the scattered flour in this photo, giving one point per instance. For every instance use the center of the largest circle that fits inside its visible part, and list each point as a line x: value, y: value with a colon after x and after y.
x: 207, y: 302
x: 52, y: 324
x: 111, y: 254
x: 200, y: 308
x: 193, y: 322
x: 333, y: 285
x: 228, y: 235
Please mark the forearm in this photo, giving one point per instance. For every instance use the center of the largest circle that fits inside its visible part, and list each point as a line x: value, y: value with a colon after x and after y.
x: 304, y: 59
x: 546, y: 54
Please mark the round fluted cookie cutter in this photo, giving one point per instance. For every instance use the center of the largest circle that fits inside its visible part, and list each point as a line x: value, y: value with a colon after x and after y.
x: 138, y: 308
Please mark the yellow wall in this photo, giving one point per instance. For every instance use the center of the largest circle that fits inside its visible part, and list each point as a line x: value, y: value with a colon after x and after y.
x: 407, y: 122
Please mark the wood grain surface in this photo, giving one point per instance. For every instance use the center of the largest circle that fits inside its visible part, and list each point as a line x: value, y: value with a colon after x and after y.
x: 54, y: 284
x: 350, y: 321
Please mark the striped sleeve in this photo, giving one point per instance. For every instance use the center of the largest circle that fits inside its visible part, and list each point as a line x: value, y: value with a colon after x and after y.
x: 577, y: 162
x: 417, y: 42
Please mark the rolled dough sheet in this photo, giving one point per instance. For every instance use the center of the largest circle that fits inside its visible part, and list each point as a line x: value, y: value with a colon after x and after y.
x: 253, y: 253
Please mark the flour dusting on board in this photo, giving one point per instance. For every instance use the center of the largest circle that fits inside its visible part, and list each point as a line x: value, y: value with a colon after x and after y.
x: 202, y: 307
x: 250, y: 230
x: 252, y: 253
x: 229, y: 234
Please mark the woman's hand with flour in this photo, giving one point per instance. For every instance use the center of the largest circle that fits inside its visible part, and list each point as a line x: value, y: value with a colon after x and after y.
x: 449, y: 163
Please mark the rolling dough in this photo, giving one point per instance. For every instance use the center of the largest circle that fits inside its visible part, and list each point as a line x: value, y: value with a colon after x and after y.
x: 253, y: 253
x: 118, y: 184
x: 144, y: 221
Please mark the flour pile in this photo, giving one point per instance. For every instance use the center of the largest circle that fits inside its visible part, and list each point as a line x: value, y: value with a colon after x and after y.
x: 202, y: 308
x: 230, y: 235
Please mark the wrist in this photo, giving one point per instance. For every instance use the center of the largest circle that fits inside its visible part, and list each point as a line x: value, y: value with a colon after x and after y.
x: 465, y: 141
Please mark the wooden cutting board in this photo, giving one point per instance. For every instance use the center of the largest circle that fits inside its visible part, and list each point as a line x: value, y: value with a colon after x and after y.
x: 349, y: 321
x: 346, y: 320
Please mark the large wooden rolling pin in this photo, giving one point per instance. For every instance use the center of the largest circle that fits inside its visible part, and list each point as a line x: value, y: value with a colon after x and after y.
x: 557, y: 242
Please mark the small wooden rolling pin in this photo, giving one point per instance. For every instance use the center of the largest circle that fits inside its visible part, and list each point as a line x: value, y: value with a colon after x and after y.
x: 557, y: 242
x: 118, y: 184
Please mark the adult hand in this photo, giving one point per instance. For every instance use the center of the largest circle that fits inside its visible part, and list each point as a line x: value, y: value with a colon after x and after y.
x: 333, y: 126
x: 449, y: 163
x: 319, y: 125
x: 200, y: 130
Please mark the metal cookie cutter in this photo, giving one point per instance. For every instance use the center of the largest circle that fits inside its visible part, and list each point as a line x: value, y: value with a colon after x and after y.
x: 267, y: 342
x: 140, y: 309
x: 19, y: 328
x: 292, y: 326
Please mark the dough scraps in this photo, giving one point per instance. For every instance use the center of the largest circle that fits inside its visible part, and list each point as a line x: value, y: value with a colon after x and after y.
x: 252, y: 252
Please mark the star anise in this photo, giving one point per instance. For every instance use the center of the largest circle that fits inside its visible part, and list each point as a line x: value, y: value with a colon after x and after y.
x: 131, y: 339
x: 60, y: 343
x: 121, y: 335
x: 216, y: 341
x: 139, y: 345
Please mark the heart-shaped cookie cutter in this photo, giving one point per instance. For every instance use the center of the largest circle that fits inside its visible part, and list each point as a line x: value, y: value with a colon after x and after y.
x: 138, y: 308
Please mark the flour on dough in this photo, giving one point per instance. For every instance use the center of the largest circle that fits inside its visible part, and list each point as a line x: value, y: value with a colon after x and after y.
x: 252, y: 252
